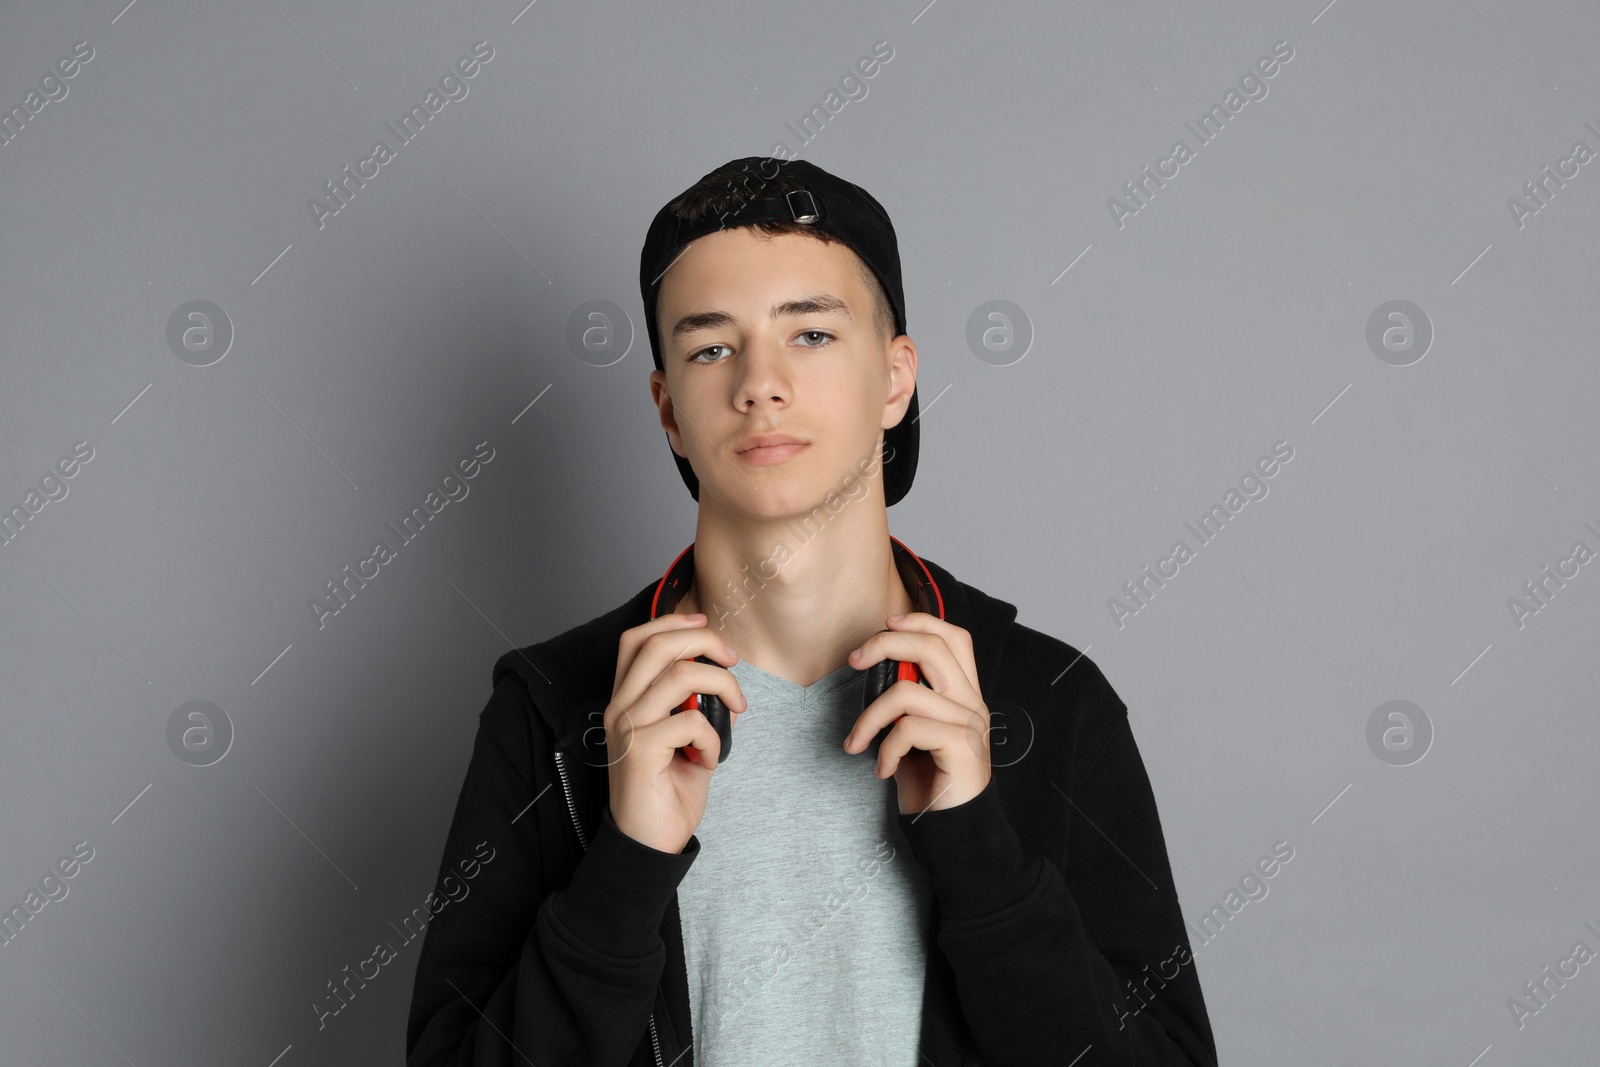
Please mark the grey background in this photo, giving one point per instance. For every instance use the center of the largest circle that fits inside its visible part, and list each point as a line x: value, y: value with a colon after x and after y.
x: 1230, y: 313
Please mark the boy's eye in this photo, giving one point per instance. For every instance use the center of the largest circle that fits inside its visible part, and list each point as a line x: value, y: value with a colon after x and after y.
x: 823, y: 336
x: 695, y: 357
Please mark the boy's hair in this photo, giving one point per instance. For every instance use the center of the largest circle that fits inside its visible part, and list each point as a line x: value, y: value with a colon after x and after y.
x: 721, y: 193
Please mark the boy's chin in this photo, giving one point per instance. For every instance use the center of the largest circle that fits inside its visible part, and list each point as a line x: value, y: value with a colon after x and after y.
x: 771, y: 496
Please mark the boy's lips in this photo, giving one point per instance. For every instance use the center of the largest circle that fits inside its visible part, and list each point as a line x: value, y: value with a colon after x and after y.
x: 768, y: 455
x: 765, y: 440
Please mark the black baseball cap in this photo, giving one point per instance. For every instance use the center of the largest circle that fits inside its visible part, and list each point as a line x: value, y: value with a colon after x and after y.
x: 847, y: 212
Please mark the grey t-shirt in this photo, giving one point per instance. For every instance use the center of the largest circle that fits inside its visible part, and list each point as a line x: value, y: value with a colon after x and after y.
x: 805, y: 916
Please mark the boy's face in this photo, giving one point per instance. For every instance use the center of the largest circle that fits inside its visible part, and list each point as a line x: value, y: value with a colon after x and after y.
x: 751, y: 347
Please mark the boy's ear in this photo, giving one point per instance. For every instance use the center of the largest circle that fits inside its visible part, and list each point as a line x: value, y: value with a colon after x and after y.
x: 664, y: 410
x: 902, y: 380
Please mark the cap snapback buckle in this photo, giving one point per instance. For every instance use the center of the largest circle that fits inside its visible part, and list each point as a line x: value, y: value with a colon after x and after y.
x: 809, y: 216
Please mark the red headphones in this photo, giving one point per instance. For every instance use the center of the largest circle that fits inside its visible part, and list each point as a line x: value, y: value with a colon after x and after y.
x: 919, y: 583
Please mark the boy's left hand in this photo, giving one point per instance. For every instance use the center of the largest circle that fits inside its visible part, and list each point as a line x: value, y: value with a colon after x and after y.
x: 938, y: 749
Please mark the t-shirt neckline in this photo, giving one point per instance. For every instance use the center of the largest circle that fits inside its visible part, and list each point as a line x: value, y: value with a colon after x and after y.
x: 826, y: 684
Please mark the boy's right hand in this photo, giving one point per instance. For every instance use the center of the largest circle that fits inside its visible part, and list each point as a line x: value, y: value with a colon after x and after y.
x: 658, y: 796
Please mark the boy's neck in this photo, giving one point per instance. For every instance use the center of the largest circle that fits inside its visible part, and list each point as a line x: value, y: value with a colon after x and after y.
x: 794, y: 599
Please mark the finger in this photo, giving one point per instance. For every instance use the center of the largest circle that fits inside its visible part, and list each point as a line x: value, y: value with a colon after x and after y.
x: 956, y: 639
x: 946, y: 743
x: 660, y: 651
x: 669, y: 690
x: 674, y: 686
x: 929, y: 652
x: 903, y: 699
x: 634, y: 637
x: 685, y: 728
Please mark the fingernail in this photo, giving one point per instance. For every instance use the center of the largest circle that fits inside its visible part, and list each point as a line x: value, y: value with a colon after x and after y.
x: 896, y: 618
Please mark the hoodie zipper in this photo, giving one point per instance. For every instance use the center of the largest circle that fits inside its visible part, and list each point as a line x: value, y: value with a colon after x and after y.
x: 583, y: 839
x: 566, y: 790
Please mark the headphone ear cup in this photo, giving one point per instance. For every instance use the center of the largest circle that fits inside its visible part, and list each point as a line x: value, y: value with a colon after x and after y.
x: 880, y: 676
x: 716, y: 712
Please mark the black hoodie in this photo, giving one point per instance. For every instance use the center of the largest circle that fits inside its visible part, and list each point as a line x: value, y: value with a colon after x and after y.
x: 1056, y: 918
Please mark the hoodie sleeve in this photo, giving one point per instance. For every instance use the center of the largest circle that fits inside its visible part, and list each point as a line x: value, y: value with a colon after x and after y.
x: 1050, y: 961
x: 514, y: 970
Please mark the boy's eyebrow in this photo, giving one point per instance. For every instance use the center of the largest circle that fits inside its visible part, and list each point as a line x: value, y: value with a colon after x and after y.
x: 815, y: 304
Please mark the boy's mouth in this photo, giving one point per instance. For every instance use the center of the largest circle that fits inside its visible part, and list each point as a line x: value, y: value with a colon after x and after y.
x: 767, y: 455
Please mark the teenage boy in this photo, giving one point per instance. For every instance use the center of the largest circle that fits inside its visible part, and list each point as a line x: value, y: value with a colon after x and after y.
x: 698, y: 853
